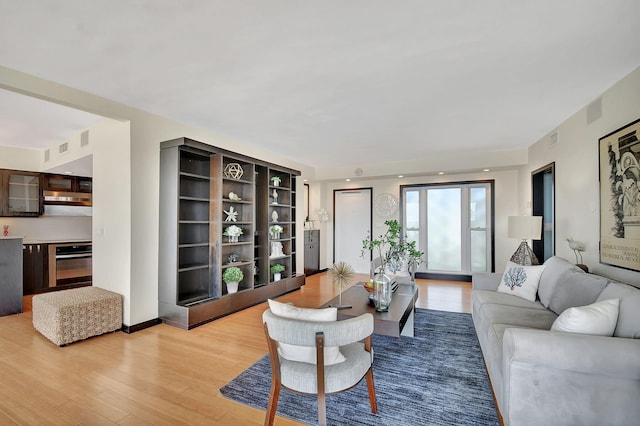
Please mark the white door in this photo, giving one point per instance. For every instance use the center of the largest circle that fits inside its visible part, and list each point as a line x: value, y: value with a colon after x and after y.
x: 352, y: 224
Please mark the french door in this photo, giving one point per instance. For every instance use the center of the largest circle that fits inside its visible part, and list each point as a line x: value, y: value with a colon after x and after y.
x: 452, y: 224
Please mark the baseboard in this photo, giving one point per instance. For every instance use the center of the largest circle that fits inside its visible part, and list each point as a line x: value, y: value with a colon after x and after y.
x: 137, y: 327
x: 446, y: 277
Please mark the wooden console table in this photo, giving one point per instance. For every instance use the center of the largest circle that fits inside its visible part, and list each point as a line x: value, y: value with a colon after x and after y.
x: 397, y: 321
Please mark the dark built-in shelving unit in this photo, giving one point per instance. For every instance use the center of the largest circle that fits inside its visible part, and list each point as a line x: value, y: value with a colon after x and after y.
x: 199, y: 183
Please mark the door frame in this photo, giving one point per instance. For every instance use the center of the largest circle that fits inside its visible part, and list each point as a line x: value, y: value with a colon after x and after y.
x: 335, y: 191
x: 537, y: 206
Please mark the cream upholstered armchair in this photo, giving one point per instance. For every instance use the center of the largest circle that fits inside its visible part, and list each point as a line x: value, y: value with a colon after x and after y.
x: 351, y: 336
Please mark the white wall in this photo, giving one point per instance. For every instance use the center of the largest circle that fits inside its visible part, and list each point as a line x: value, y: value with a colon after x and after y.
x: 506, y: 204
x: 19, y: 159
x: 576, y: 168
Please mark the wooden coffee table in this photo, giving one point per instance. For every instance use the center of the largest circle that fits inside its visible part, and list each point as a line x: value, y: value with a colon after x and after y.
x: 397, y: 321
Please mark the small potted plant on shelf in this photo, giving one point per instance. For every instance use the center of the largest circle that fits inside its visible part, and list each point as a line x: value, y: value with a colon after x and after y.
x: 276, y: 270
x: 232, y: 277
x: 275, y: 231
x: 233, y: 232
x: 276, y: 180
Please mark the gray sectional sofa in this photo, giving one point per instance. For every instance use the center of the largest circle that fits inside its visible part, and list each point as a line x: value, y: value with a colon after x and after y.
x: 543, y: 377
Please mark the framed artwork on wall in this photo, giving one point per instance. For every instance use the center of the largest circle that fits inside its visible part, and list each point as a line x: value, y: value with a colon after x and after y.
x: 619, y: 153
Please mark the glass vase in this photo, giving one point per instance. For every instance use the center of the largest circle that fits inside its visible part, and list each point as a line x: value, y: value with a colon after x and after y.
x: 382, y: 292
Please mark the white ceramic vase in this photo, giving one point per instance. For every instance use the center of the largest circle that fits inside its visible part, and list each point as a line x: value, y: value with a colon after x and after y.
x: 232, y: 287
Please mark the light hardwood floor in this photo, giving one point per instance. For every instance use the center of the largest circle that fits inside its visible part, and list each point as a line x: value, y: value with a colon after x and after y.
x: 161, y: 375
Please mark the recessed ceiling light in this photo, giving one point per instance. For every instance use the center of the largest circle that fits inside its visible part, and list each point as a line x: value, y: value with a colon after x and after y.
x: 306, y: 180
x: 486, y: 170
x: 440, y: 173
x: 400, y: 176
x: 348, y: 180
x: 68, y: 172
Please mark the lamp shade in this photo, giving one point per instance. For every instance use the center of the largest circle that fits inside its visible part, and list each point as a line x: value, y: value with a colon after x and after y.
x: 525, y: 227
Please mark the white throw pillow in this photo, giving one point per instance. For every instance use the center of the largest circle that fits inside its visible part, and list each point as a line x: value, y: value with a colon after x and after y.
x: 332, y: 354
x: 521, y: 281
x: 599, y: 319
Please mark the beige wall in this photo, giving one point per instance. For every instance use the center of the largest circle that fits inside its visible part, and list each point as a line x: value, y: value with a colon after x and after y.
x: 576, y: 167
x: 505, y: 188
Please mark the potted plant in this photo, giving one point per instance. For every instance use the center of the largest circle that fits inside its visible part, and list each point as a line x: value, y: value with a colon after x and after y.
x: 393, y: 250
x: 232, y: 277
x: 275, y: 231
x: 276, y: 270
x: 276, y: 180
x: 233, y: 232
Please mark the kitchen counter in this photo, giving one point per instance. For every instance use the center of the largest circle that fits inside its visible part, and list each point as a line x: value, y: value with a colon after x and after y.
x: 58, y: 241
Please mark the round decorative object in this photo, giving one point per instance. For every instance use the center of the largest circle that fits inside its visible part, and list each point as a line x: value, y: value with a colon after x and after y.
x: 386, y: 205
x: 233, y: 170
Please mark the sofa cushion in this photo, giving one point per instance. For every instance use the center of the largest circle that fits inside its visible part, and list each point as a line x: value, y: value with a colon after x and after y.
x: 480, y: 297
x: 575, y: 288
x: 521, y: 281
x: 553, y: 269
x: 332, y: 354
x: 629, y: 316
x: 599, y: 319
x: 518, y: 316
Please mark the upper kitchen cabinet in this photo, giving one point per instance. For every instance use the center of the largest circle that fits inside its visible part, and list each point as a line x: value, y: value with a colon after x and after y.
x: 67, y: 183
x: 20, y: 193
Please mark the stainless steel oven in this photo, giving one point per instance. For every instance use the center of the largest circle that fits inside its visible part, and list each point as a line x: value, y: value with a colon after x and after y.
x: 69, y: 264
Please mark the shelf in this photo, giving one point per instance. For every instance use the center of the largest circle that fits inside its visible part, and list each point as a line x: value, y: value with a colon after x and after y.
x: 242, y: 263
x: 190, y: 245
x: 229, y: 179
x: 192, y: 268
x: 193, y: 175
x: 239, y: 243
x: 286, y: 256
x: 186, y: 198
x: 227, y: 200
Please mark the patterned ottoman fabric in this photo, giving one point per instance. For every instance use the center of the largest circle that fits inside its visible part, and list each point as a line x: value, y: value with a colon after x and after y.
x: 70, y: 315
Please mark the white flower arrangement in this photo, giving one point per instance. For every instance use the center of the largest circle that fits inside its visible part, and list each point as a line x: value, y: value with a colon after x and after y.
x: 233, y: 231
x: 275, y: 229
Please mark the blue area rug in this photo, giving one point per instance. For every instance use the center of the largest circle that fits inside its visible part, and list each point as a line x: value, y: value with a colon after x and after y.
x: 436, y: 378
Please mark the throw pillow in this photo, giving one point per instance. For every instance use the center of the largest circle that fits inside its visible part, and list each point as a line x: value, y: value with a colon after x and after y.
x: 575, y: 288
x: 521, y: 281
x: 332, y: 354
x: 629, y: 315
x: 599, y: 319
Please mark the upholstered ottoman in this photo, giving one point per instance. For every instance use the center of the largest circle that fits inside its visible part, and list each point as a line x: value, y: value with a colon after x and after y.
x: 70, y: 315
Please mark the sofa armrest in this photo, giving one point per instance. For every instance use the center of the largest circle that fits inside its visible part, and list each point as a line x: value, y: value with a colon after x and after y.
x: 578, y: 378
x: 486, y: 280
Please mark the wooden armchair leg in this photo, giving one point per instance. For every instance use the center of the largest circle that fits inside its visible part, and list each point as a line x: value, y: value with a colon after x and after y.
x: 372, y: 391
x: 274, y: 394
x: 322, y: 410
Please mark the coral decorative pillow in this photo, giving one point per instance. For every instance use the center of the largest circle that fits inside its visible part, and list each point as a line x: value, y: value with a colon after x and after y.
x: 521, y: 281
x: 599, y: 319
x: 332, y: 354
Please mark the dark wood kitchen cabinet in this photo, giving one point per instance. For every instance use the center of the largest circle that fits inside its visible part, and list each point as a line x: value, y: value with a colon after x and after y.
x: 35, y: 268
x: 66, y: 183
x: 20, y: 193
x: 311, y: 252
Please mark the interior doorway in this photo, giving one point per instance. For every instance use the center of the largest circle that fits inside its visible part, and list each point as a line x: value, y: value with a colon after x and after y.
x: 352, y: 224
x: 543, y: 204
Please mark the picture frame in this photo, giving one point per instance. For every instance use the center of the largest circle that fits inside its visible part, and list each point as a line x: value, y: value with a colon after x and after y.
x: 619, y: 167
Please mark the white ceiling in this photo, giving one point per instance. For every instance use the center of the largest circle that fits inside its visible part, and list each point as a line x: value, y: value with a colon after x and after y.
x: 327, y: 83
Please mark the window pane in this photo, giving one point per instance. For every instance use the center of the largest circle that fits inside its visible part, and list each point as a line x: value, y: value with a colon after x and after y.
x: 478, y: 251
x: 478, y: 207
x: 444, y: 229
x: 412, y: 206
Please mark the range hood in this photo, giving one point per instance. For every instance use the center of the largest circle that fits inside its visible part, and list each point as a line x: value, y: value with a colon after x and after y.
x: 61, y: 203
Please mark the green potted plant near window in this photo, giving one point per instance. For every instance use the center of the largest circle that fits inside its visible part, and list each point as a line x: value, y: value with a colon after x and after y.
x: 232, y: 277
x: 276, y: 270
x: 276, y: 180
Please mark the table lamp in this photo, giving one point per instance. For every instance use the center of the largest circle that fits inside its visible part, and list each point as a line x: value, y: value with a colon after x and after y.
x: 525, y: 228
